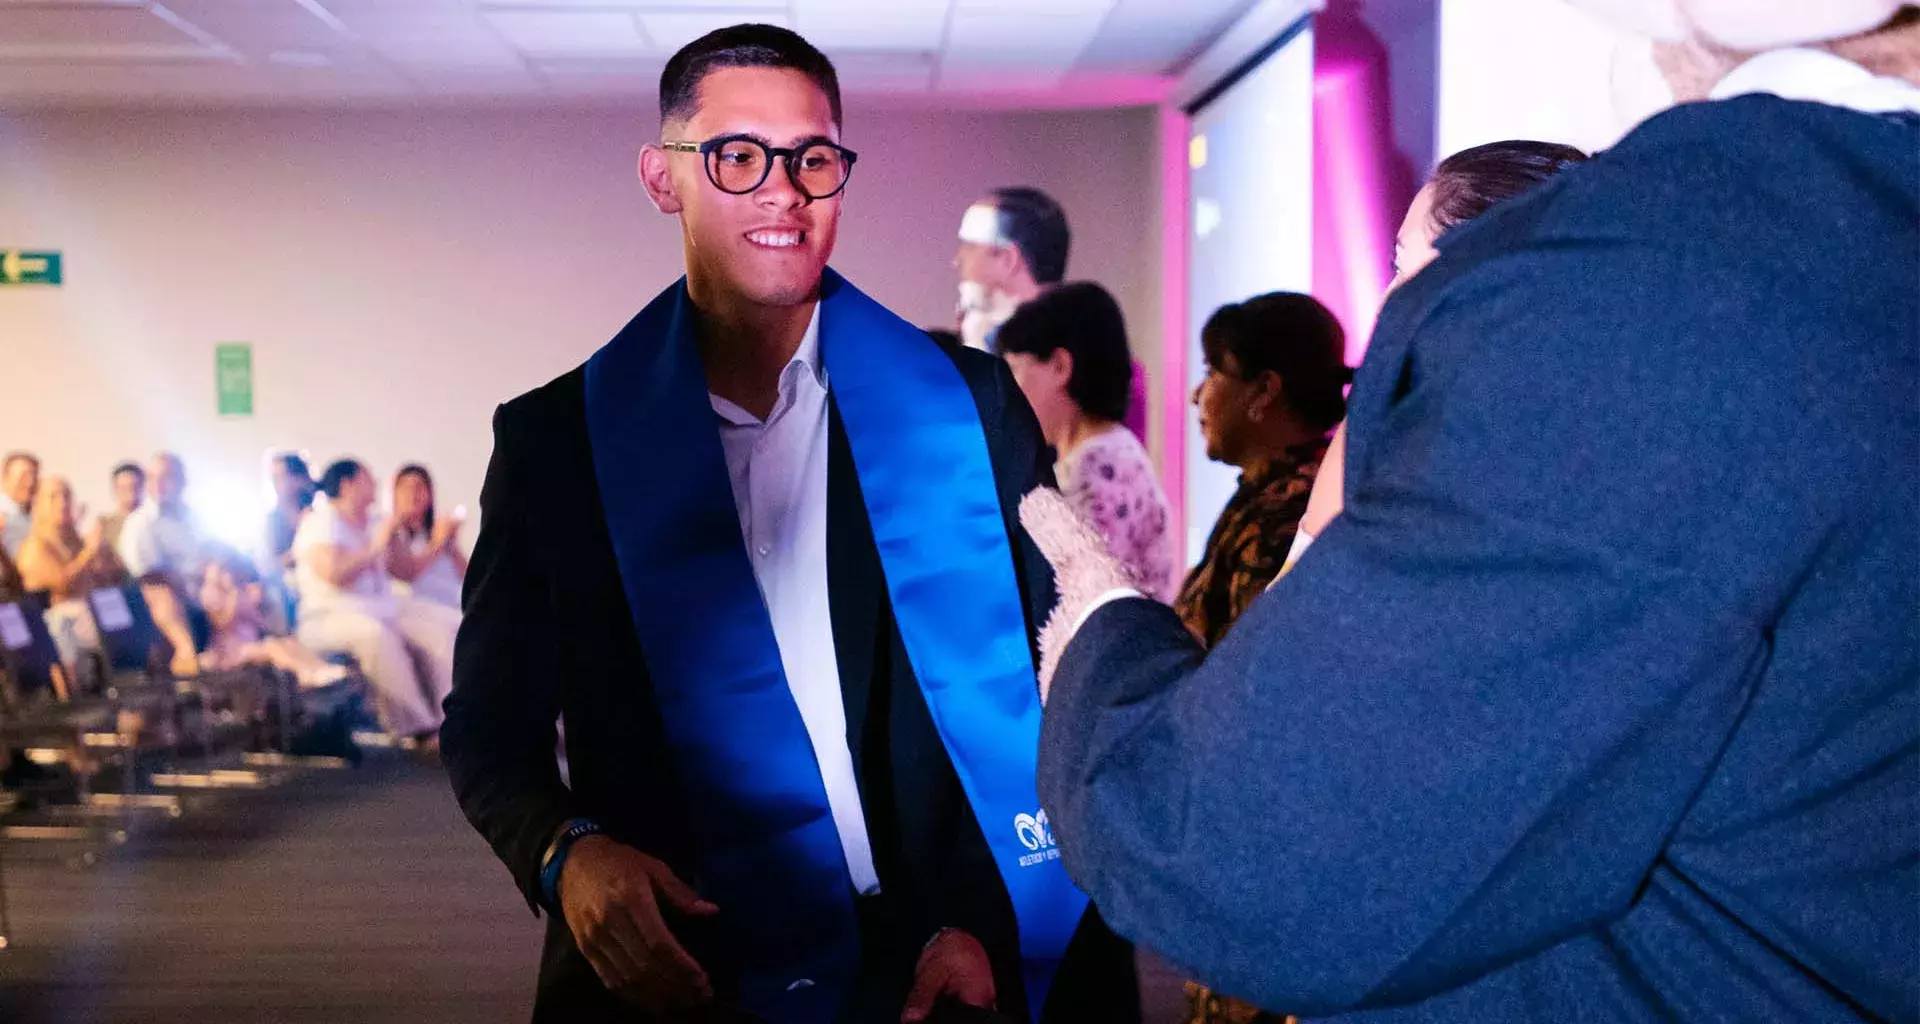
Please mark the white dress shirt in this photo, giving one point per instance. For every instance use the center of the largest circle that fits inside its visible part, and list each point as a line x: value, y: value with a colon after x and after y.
x: 155, y: 540
x: 13, y: 532
x: 779, y: 473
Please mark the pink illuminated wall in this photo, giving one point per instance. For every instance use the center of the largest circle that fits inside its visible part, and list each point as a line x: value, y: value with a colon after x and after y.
x: 1361, y: 186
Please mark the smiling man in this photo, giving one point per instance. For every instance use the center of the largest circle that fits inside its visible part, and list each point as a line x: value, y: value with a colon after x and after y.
x: 761, y: 555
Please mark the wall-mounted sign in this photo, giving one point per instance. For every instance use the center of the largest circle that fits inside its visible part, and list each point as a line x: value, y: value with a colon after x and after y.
x: 233, y: 377
x: 21, y: 266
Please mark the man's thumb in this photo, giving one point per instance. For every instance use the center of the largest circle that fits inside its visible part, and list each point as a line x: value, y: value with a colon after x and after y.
x: 927, y: 986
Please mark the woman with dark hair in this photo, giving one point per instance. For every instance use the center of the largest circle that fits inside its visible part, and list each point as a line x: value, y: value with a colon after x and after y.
x: 293, y: 489
x: 1464, y: 186
x: 347, y: 604
x: 1068, y: 352
x: 426, y: 553
x: 1275, y: 388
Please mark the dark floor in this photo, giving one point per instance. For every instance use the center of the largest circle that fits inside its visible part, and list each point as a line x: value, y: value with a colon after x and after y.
x: 337, y: 896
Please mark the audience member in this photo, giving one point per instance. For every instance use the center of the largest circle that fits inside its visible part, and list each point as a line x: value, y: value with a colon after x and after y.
x: 1014, y: 244
x: 1275, y: 388
x: 160, y: 542
x: 347, y: 604
x: 68, y: 563
x: 234, y: 600
x: 293, y: 490
x: 1068, y: 351
x: 129, y: 491
x: 1464, y: 186
x: 19, y: 477
x: 12, y: 588
x: 426, y: 553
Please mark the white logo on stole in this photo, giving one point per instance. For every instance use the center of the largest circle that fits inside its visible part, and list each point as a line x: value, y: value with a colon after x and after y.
x: 1036, y: 836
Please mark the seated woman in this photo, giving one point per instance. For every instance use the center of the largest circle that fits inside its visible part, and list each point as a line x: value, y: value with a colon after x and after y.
x: 1275, y: 388
x: 1068, y: 352
x: 233, y: 597
x: 59, y: 559
x: 347, y: 605
x: 426, y: 553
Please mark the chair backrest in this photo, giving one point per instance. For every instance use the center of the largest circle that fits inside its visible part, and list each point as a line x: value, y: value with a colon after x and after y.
x: 127, y: 632
x: 26, y: 648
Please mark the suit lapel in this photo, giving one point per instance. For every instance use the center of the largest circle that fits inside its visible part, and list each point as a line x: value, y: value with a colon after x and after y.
x: 853, y: 584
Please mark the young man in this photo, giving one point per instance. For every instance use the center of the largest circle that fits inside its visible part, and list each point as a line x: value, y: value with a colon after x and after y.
x: 760, y: 554
x: 1598, y: 700
x: 129, y: 492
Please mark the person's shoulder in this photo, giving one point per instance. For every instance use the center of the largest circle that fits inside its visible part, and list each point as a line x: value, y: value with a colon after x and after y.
x: 560, y: 398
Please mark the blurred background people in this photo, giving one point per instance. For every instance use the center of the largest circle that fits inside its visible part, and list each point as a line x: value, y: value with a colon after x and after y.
x: 19, y: 477
x: 1274, y: 390
x: 69, y: 563
x: 404, y: 646
x: 1068, y: 352
x: 1014, y: 245
x: 425, y: 555
x: 129, y: 492
x: 235, y: 603
x: 293, y: 488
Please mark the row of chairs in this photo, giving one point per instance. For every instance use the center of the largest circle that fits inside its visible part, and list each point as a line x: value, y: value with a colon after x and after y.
x: 121, y: 711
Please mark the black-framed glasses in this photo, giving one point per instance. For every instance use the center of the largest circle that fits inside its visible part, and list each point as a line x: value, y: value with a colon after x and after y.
x: 739, y: 164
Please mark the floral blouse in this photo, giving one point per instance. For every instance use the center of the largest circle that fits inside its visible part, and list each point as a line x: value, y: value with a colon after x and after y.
x: 1109, y: 480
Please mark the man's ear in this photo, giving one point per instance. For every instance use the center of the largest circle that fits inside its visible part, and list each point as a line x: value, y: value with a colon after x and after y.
x: 657, y: 176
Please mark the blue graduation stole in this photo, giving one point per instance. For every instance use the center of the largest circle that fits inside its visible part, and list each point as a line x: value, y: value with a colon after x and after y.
x: 769, y: 853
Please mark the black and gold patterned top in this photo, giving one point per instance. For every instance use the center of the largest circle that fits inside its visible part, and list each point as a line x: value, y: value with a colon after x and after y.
x: 1249, y: 544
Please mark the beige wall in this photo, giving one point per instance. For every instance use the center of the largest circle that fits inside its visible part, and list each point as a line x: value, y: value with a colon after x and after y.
x: 400, y: 273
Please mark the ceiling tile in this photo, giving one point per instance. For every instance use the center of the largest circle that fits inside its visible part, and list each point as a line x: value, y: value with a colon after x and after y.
x: 873, y: 24
x: 1032, y: 45
x: 1157, y: 37
x: 670, y: 30
x: 98, y: 32
x: 255, y: 29
x: 541, y: 33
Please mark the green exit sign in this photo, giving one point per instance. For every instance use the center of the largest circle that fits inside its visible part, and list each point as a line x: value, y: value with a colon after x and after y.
x: 23, y: 266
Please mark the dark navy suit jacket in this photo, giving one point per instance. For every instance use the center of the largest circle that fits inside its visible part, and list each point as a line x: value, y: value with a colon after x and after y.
x: 1598, y: 700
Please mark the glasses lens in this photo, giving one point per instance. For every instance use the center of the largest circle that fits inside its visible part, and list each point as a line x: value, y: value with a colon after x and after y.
x: 820, y: 169
x: 739, y: 165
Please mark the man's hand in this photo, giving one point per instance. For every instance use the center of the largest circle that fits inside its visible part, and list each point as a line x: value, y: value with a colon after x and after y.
x: 611, y: 896
x: 953, y: 965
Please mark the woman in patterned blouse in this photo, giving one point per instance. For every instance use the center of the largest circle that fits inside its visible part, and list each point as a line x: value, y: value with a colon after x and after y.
x: 1274, y: 389
x: 1068, y: 351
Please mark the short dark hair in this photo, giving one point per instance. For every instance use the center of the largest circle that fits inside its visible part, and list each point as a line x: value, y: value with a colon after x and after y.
x: 1473, y: 181
x: 1294, y: 336
x: 128, y: 467
x: 337, y: 474
x: 741, y: 46
x: 415, y: 469
x: 1037, y: 226
x: 1086, y: 321
x: 13, y: 457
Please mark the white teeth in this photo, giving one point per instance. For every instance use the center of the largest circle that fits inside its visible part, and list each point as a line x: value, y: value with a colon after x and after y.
x: 774, y: 239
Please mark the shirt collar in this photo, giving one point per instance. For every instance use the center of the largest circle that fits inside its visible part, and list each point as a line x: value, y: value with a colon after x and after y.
x: 1816, y: 76
x: 806, y: 364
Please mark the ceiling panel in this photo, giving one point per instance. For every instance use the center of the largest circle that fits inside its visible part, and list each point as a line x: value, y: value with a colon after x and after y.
x: 141, y: 52
x: 544, y: 33
x: 670, y: 30
x: 915, y: 25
